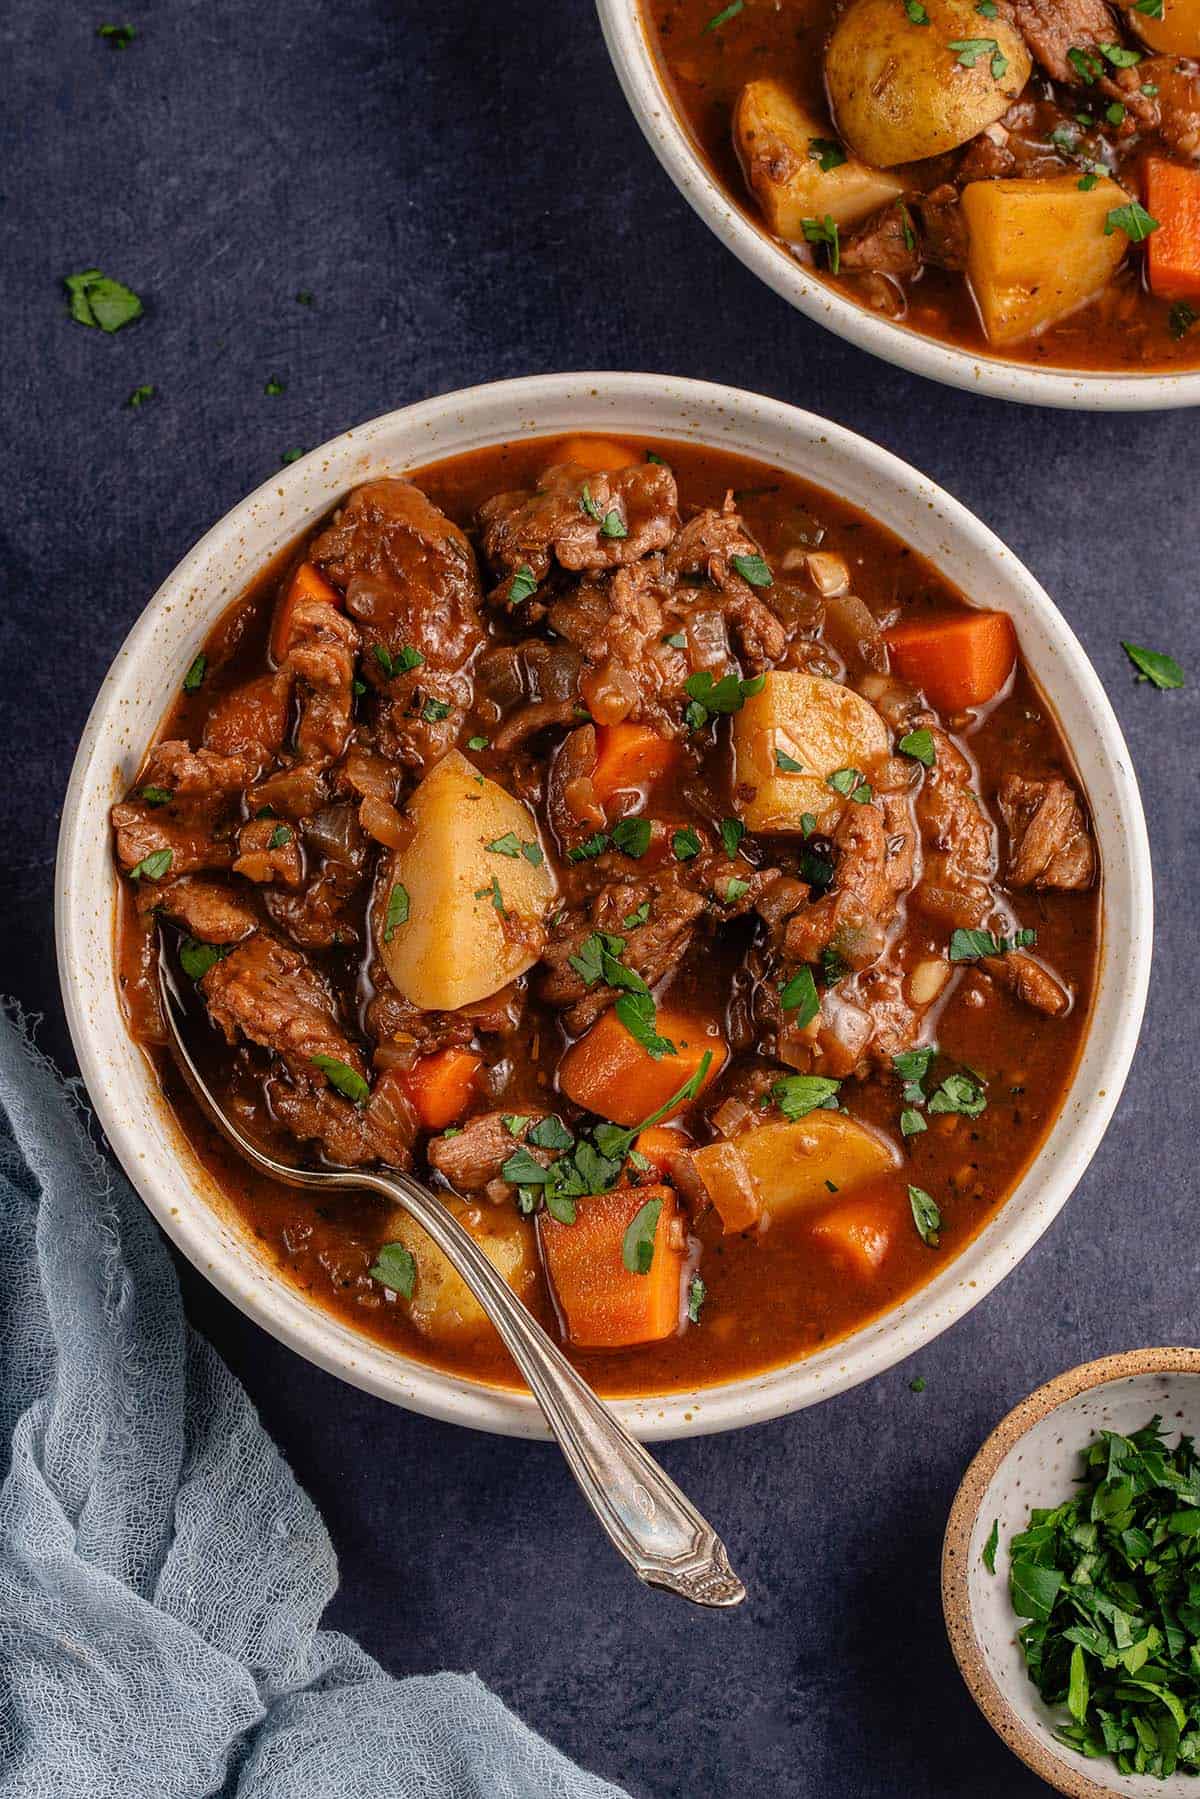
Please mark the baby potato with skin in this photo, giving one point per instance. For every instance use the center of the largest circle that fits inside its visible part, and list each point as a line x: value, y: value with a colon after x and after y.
x: 904, y: 88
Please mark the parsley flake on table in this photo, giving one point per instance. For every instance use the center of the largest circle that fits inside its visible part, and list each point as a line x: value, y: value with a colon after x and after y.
x: 1162, y: 671
x: 96, y: 300
x: 140, y: 395
x: 119, y: 37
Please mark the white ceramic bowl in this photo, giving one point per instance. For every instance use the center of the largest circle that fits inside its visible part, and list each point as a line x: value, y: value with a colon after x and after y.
x: 638, y: 70
x: 144, y: 678
x: 1032, y: 1459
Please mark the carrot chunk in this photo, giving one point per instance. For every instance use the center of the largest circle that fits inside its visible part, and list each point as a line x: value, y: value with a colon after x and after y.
x: 603, y: 1304
x: 857, y: 1233
x: 1173, y: 251
x: 308, y: 583
x: 442, y: 1086
x: 960, y: 659
x: 610, y: 1073
x: 660, y: 1146
x: 599, y: 454
x: 630, y: 756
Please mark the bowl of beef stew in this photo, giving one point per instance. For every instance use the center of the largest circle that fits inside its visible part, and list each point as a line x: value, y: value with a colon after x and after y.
x: 638, y: 807
x: 1004, y: 197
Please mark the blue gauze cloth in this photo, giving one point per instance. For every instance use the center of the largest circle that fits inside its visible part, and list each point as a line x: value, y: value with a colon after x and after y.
x: 162, y: 1576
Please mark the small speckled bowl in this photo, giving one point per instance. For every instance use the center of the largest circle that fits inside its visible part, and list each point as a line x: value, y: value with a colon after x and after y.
x: 641, y: 78
x: 145, y: 677
x: 1032, y: 1459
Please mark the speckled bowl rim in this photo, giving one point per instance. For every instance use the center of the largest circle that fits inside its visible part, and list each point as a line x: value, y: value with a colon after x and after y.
x: 637, y: 68
x: 1066, y: 1773
x: 172, y: 628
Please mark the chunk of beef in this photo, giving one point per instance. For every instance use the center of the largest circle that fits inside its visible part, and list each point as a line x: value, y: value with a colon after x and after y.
x: 267, y: 992
x: 1049, y: 842
x: 884, y: 244
x: 195, y: 777
x: 619, y: 625
x: 1030, y: 981
x: 207, y: 910
x: 1053, y: 27
x: 382, y: 1130
x: 269, y: 850
x: 874, y: 866
x: 943, y: 228
x: 708, y: 545
x: 538, y: 716
x: 1178, y: 100
x: 142, y: 831
x: 321, y: 654
x: 571, y: 803
x: 473, y: 1158
x: 579, y: 519
x: 988, y: 157
x: 411, y: 584
x: 321, y: 915
x: 959, y: 863
x: 249, y: 724
x: 405, y: 1032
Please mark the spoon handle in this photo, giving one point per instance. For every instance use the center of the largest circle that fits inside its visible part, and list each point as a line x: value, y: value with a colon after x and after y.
x: 641, y: 1510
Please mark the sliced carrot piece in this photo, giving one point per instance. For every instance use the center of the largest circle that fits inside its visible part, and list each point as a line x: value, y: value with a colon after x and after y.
x: 599, y: 454
x: 609, y: 1072
x: 858, y: 1233
x: 1173, y: 251
x: 628, y: 757
x: 442, y: 1086
x: 660, y: 1146
x: 958, y: 659
x: 308, y: 583
x: 602, y: 1304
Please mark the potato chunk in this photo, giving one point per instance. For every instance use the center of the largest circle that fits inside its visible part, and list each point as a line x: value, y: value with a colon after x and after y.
x: 442, y: 1305
x: 900, y: 93
x: 455, y: 945
x: 1038, y: 250
x: 806, y: 719
x: 1177, y: 33
x: 775, y: 138
x: 775, y: 1170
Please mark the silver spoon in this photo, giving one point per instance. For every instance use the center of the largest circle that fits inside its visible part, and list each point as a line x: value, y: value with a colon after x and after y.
x: 640, y: 1509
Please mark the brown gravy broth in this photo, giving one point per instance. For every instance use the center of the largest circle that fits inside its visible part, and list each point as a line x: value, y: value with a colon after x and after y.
x: 773, y: 1296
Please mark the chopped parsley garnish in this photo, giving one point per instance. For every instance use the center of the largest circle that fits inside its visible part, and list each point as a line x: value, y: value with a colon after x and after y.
x: 916, y: 12
x: 1133, y: 220
x: 676, y: 639
x: 434, y: 711
x: 1162, y: 671
x: 734, y: 891
x: 140, y: 395
x: 968, y: 946
x: 1109, y: 1582
x: 1087, y: 66
x: 196, y: 673
x: 522, y: 586
x: 152, y: 867
x: 826, y: 152
x: 851, y: 785
x: 397, y: 911
x: 685, y: 844
x: 697, y: 1294
x: 1153, y: 9
x: 492, y: 892
x: 613, y: 525
x: 632, y: 836
x: 280, y: 837
x: 707, y: 697
x: 514, y: 1122
x: 825, y: 231
x: 959, y: 1093
x: 478, y: 743
x: 291, y: 456
x: 305, y: 298
x: 402, y: 663
x: 273, y: 385
x: 346, y: 1080
x: 797, y: 1095
x: 97, y: 300
x: 395, y: 1267
x: 919, y: 745
x: 640, y: 916
x: 990, y: 1547
x: 636, y: 1012
x: 637, y: 1245
x: 788, y: 764
x: 508, y: 845
x: 833, y: 967
x: 917, y: 1383
x: 1120, y: 56
x: 1087, y: 182
x: 714, y: 24
x: 799, y: 995
x: 926, y: 1216
x: 591, y: 846
x: 969, y: 50
x: 119, y: 36
x: 157, y: 796
x: 197, y: 958
x: 551, y: 1133
x: 732, y: 832
x: 753, y: 569
x: 1180, y: 319
x: 912, y: 1122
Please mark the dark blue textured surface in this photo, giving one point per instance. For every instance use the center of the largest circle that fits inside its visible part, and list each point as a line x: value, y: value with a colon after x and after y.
x: 463, y: 191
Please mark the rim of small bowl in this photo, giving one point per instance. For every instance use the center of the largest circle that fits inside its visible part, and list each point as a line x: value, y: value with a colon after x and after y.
x: 172, y: 627
x: 636, y: 64
x: 1067, y: 1773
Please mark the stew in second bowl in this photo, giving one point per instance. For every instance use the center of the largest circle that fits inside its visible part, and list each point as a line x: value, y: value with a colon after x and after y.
x: 1018, y: 176
x: 655, y: 854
